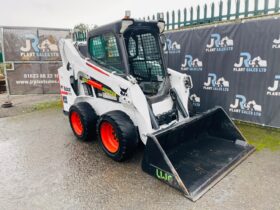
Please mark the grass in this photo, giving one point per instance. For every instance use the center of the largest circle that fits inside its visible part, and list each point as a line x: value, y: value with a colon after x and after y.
x: 47, y: 105
x: 261, y: 137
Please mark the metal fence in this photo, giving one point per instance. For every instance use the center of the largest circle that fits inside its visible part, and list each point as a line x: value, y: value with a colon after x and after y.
x: 223, y: 10
x: 80, y: 36
x: 215, y: 12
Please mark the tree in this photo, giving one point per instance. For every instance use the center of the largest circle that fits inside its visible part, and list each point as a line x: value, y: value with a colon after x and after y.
x: 84, y: 27
x: 81, y: 27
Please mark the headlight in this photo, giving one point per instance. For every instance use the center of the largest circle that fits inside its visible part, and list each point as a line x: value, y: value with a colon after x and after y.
x: 125, y: 24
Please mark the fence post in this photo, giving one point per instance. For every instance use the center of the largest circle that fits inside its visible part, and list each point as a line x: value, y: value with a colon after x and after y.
x: 246, y: 8
x: 173, y: 20
x: 256, y: 7
x: 205, y: 13
x: 220, y: 10
x: 276, y: 6
x: 265, y: 7
x: 148, y: 18
x: 167, y: 20
x: 179, y: 18
x: 191, y: 18
x: 228, y: 9
x: 212, y: 11
x: 237, y: 9
x: 153, y: 17
x: 185, y: 17
x: 198, y: 14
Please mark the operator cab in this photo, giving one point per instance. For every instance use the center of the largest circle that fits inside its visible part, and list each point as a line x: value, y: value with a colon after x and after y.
x: 145, y: 57
x: 132, y: 47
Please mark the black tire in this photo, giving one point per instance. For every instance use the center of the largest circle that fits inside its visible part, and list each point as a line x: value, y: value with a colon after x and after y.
x: 124, y: 131
x: 191, y: 108
x: 88, y: 118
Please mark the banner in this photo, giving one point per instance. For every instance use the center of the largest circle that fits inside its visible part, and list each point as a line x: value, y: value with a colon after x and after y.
x: 235, y: 66
x: 35, y: 78
x: 35, y: 57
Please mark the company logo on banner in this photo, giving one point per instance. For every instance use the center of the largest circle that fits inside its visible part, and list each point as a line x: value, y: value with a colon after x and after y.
x: 241, y: 106
x: 191, y: 64
x: 275, y: 89
x: 219, y: 44
x: 195, y: 100
x: 276, y: 43
x: 33, y: 48
x: 171, y: 47
x: 216, y: 84
x: 247, y: 64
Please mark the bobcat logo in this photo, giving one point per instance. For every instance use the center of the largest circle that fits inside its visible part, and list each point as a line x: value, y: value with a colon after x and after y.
x: 246, y: 63
x: 241, y: 106
x: 123, y: 91
x: 219, y: 44
x: 171, y: 47
x: 216, y: 84
x: 272, y: 90
x: 191, y: 64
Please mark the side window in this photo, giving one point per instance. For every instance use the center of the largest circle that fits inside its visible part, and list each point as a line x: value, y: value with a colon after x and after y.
x: 104, y: 50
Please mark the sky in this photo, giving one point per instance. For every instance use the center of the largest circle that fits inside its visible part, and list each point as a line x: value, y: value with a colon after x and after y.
x: 67, y: 13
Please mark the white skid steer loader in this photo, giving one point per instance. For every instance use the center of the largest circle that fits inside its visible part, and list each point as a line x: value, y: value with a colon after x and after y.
x: 117, y: 86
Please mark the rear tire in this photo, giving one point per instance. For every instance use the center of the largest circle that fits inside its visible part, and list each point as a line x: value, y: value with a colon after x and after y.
x: 117, y: 135
x: 83, y: 118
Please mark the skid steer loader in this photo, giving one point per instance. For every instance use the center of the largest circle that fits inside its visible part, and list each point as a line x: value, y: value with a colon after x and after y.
x: 117, y: 86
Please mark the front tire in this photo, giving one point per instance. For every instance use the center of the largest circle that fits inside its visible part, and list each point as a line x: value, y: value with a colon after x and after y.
x: 117, y: 135
x: 83, y: 118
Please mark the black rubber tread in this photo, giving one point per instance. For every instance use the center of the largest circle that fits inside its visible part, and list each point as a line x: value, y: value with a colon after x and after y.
x: 191, y: 108
x: 89, y: 119
x: 126, y: 133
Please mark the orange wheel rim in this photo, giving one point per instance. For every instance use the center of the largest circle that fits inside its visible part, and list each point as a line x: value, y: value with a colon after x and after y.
x: 109, y: 137
x: 76, y: 123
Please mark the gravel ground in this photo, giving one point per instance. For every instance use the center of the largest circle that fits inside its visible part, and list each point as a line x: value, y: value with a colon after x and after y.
x: 43, y: 166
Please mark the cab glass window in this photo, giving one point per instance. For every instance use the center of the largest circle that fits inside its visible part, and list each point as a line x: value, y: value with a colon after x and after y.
x: 104, y: 50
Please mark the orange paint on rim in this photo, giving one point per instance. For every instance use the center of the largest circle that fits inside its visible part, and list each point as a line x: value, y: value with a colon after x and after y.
x: 76, y: 123
x: 108, y: 137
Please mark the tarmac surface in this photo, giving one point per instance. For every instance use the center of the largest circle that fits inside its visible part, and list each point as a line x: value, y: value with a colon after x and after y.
x: 43, y: 166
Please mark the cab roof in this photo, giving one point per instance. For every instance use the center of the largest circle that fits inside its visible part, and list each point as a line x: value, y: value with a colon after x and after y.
x: 116, y: 26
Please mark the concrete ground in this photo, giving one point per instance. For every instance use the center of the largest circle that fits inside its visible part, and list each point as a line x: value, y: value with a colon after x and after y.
x: 43, y: 166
